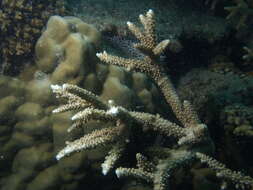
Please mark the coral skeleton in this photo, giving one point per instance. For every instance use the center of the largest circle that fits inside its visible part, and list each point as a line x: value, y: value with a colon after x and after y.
x: 192, y: 136
x: 237, y: 178
x: 241, y: 10
x: 249, y: 54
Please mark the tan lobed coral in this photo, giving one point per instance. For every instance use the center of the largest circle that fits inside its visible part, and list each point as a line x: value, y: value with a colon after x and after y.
x: 21, y: 25
x: 64, y: 48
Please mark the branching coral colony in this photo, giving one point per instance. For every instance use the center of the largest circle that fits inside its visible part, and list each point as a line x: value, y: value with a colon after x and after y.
x: 193, y: 140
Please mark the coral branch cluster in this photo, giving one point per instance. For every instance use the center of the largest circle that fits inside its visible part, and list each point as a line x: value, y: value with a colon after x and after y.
x: 242, y: 10
x: 192, y: 136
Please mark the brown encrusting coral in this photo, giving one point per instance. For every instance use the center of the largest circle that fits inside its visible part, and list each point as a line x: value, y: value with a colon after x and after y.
x: 193, y: 141
x: 21, y: 24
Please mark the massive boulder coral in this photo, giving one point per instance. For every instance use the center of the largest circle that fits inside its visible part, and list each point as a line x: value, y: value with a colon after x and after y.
x: 65, y: 49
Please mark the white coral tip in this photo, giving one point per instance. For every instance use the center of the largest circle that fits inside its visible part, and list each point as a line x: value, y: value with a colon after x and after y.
x: 111, y: 103
x: 150, y: 12
x: 129, y: 23
x: 118, y: 173
x: 55, y: 111
x: 105, y: 168
x: 75, y: 117
x: 101, y: 54
x: 67, y: 150
x: 59, y: 156
x: 98, y: 54
x: 55, y: 87
x: 113, y: 110
x: 167, y: 41
x: 64, y: 86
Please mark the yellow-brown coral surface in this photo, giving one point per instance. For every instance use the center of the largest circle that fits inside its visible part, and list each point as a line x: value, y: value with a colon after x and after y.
x: 21, y: 24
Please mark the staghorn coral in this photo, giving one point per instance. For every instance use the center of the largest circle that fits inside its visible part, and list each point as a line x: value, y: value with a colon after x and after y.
x: 237, y: 123
x: 248, y: 57
x: 237, y: 178
x: 212, y: 3
x: 21, y: 25
x: 243, y: 11
x: 193, y: 140
x: 93, y: 108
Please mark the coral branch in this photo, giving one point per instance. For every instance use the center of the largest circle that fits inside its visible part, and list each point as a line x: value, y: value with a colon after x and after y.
x: 249, y: 54
x: 112, y: 157
x: 143, y: 171
x: 92, y: 140
x: 224, y: 173
x: 157, y: 123
x: 150, y: 66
